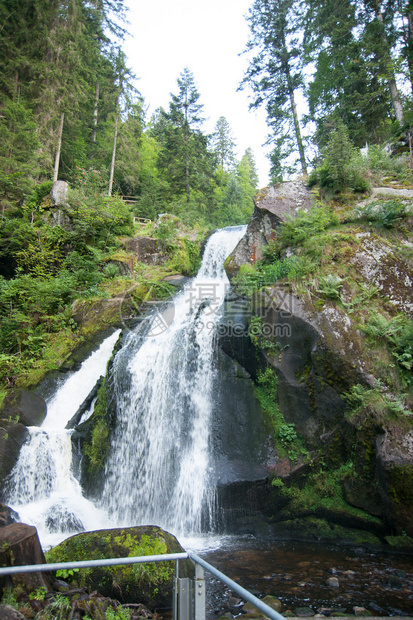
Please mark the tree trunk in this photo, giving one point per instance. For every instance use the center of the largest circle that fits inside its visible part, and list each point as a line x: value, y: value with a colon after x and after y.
x: 112, y: 165
x: 394, y: 93
x: 95, y: 113
x: 59, y: 146
x: 297, y: 129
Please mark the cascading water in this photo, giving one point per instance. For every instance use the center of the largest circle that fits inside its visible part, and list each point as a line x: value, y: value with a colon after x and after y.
x: 159, y: 470
x: 41, y: 487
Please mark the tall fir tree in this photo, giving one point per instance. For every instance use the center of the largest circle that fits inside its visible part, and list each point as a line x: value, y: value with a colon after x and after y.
x: 275, y: 72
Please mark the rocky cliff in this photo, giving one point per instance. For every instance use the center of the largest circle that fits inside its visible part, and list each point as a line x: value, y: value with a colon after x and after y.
x: 327, y: 334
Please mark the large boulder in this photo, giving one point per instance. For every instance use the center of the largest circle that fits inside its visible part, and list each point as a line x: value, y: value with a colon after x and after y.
x: 20, y: 546
x: 59, y: 194
x: 12, y: 437
x: 24, y: 406
x: 395, y: 478
x: 145, y: 249
x: 150, y: 584
x: 272, y: 206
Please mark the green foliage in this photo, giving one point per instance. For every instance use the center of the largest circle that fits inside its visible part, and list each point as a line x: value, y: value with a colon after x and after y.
x: 397, y: 334
x: 374, y: 404
x: 259, y: 337
x: 38, y: 594
x: 330, y: 285
x: 118, y: 613
x: 65, y: 573
x: 385, y: 214
x: 339, y: 170
x: 9, y: 597
x: 295, y: 230
x: 97, y: 449
x: 287, y: 433
x: 59, y: 609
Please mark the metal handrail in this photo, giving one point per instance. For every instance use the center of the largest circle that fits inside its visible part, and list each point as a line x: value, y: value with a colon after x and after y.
x: 268, y: 611
x: 243, y: 593
x: 42, y: 568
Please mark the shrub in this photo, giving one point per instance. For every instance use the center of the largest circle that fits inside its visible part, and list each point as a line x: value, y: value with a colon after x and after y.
x: 341, y: 165
x: 384, y: 214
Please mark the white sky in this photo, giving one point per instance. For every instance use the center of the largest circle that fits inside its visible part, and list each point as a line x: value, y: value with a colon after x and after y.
x: 206, y: 36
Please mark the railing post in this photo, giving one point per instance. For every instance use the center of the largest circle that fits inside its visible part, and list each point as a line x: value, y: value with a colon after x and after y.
x: 175, y: 592
x: 199, y: 593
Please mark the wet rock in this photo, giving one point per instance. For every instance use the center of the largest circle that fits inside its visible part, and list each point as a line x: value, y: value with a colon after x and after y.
x: 151, y: 586
x: 304, y: 612
x: 24, y: 406
x: 395, y: 477
x: 395, y: 582
x: 361, y: 611
x: 333, y: 582
x: 19, y: 546
x: 273, y: 602
x: 7, y: 515
x: 12, y: 437
x: 7, y: 612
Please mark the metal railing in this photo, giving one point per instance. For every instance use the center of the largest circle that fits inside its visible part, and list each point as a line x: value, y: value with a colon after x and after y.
x: 189, y: 595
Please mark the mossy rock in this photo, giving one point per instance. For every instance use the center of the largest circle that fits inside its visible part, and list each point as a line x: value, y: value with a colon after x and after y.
x: 148, y: 583
x: 313, y: 528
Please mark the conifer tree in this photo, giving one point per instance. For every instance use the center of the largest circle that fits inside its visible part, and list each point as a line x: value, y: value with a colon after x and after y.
x: 223, y: 144
x: 275, y: 72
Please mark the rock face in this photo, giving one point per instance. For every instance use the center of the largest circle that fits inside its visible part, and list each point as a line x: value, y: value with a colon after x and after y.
x: 145, y: 249
x: 272, y: 206
x: 59, y: 193
x: 150, y: 584
x: 12, y: 437
x: 20, y: 546
x: 318, y: 354
x: 378, y: 265
x: 24, y: 406
x: 7, y: 516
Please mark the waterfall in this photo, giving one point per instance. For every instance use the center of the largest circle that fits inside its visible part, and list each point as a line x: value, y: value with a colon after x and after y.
x: 41, y: 488
x: 159, y: 469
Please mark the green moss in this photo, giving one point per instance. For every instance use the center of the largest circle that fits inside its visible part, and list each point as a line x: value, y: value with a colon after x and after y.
x: 149, y: 583
x: 97, y: 448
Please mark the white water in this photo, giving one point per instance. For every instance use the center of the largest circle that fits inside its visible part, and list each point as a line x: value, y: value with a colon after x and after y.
x: 159, y: 470
x: 42, y: 488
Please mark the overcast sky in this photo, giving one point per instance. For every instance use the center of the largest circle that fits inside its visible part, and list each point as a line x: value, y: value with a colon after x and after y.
x: 207, y: 36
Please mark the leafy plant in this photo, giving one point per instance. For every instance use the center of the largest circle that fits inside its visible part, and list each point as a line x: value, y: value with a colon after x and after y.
x: 287, y: 433
x: 384, y: 214
x: 374, y: 403
x: 38, y: 594
x: 330, y: 285
x: 118, y: 613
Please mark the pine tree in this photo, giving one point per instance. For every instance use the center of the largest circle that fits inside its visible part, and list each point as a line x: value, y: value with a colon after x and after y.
x: 275, y: 73
x: 185, y: 114
x: 223, y: 144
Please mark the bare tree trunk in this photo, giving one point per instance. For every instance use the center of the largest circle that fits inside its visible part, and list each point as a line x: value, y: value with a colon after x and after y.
x: 59, y: 146
x: 112, y: 165
x: 95, y: 112
x: 394, y: 92
x: 297, y: 130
